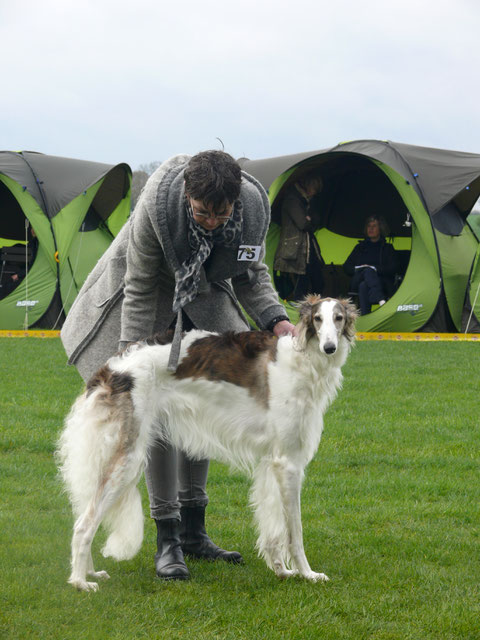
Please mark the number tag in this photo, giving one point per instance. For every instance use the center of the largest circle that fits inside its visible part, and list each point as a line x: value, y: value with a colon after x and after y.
x: 248, y: 252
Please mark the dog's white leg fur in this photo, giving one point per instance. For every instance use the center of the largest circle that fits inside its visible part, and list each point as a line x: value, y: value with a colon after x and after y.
x: 266, y: 500
x: 86, y: 527
x: 99, y: 575
x: 83, y: 532
x: 290, y: 477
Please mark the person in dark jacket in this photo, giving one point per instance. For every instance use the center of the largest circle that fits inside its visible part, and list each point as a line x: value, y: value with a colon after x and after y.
x: 298, y: 254
x: 372, y: 264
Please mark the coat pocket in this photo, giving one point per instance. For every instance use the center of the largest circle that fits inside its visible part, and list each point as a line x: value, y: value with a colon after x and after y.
x: 289, y: 248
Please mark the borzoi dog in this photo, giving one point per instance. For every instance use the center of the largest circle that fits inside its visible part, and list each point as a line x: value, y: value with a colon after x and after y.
x: 248, y: 399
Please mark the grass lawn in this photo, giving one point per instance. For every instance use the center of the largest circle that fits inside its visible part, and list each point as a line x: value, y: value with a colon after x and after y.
x: 390, y: 512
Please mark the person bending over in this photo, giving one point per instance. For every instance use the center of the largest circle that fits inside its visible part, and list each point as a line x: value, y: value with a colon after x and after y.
x: 190, y: 256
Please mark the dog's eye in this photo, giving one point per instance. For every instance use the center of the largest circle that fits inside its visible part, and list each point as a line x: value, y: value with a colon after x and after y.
x: 317, y: 319
x: 339, y: 318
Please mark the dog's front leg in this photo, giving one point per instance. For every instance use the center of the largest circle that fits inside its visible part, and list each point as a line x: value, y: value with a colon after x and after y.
x: 267, y: 501
x: 290, y: 481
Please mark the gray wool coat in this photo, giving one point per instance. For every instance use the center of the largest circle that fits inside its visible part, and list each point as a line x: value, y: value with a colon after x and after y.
x: 129, y: 294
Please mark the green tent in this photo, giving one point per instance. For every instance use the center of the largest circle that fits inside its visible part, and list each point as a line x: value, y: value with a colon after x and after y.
x: 424, y: 194
x: 74, y: 208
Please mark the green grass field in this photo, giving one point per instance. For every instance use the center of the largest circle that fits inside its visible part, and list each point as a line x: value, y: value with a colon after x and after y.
x: 390, y: 512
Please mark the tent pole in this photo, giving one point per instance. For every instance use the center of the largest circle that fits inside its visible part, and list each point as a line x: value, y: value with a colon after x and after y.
x: 72, y: 271
x: 25, y: 321
x: 473, y: 307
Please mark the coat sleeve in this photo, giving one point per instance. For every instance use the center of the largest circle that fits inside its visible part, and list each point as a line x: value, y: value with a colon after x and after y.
x: 352, y: 261
x: 145, y: 258
x: 257, y: 295
x: 293, y: 208
x: 390, y: 263
x: 317, y: 219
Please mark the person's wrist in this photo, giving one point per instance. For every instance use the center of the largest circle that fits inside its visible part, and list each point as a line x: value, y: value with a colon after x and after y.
x: 276, y: 320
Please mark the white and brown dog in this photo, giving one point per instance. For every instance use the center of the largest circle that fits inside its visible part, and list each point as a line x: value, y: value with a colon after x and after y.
x: 248, y: 399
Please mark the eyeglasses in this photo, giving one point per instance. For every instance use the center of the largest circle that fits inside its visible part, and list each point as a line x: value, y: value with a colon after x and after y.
x: 207, y: 215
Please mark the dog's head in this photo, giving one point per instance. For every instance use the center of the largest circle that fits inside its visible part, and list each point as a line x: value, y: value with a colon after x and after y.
x: 327, y: 319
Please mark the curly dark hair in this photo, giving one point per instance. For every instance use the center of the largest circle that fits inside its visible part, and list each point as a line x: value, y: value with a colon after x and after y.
x: 213, y: 177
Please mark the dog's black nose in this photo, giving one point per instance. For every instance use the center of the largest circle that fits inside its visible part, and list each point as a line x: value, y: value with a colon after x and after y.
x: 329, y: 348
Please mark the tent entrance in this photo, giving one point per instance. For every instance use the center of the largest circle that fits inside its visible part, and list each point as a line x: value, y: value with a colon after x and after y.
x: 355, y: 187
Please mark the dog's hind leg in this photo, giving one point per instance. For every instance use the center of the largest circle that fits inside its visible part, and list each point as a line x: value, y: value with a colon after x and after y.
x: 290, y: 479
x: 83, y: 532
x: 99, y: 575
x: 85, y: 529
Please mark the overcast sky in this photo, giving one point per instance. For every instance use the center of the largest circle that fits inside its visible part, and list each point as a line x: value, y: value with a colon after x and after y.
x: 140, y: 81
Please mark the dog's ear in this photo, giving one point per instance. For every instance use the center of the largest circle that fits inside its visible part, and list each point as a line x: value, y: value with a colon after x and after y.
x: 305, y: 324
x: 351, y: 314
x: 305, y: 306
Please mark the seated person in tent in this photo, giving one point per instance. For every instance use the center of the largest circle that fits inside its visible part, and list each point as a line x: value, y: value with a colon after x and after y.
x: 372, y: 264
x: 12, y: 276
x: 14, y: 262
x: 298, y: 254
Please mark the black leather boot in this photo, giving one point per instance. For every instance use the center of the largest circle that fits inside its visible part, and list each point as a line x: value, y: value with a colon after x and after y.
x: 195, y: 541
x: 169, y: 562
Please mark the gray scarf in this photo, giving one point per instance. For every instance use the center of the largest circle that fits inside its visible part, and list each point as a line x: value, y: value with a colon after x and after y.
x: 187, y: 276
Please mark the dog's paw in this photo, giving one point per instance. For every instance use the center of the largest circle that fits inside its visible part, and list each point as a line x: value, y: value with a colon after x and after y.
x: 313, y: 576
x: 99, y: 575
x: 83, y: 585
x: 283, y: 574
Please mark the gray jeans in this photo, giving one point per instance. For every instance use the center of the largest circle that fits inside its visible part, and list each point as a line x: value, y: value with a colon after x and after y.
x: 174, y: 480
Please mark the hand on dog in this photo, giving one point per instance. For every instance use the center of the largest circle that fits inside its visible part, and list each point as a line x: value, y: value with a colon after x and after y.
x: 284, y: 328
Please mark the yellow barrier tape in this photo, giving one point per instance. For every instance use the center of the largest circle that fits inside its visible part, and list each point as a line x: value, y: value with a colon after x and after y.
x: 420, y: 337
x: 37, y: 333
x: 405, y: 337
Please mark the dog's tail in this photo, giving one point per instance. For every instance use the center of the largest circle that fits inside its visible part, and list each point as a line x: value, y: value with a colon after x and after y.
x: 124, y: 522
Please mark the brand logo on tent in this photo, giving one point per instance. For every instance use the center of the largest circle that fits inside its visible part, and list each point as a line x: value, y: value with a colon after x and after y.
x: 27, y: 303
x: 412, y: 309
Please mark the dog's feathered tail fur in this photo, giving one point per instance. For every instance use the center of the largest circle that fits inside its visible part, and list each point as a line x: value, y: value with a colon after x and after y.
x: 124, y: 522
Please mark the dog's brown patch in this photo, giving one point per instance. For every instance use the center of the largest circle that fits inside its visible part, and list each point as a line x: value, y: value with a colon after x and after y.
x: 238, y: 358
x: 115, y: 395
x: 114, y: 381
